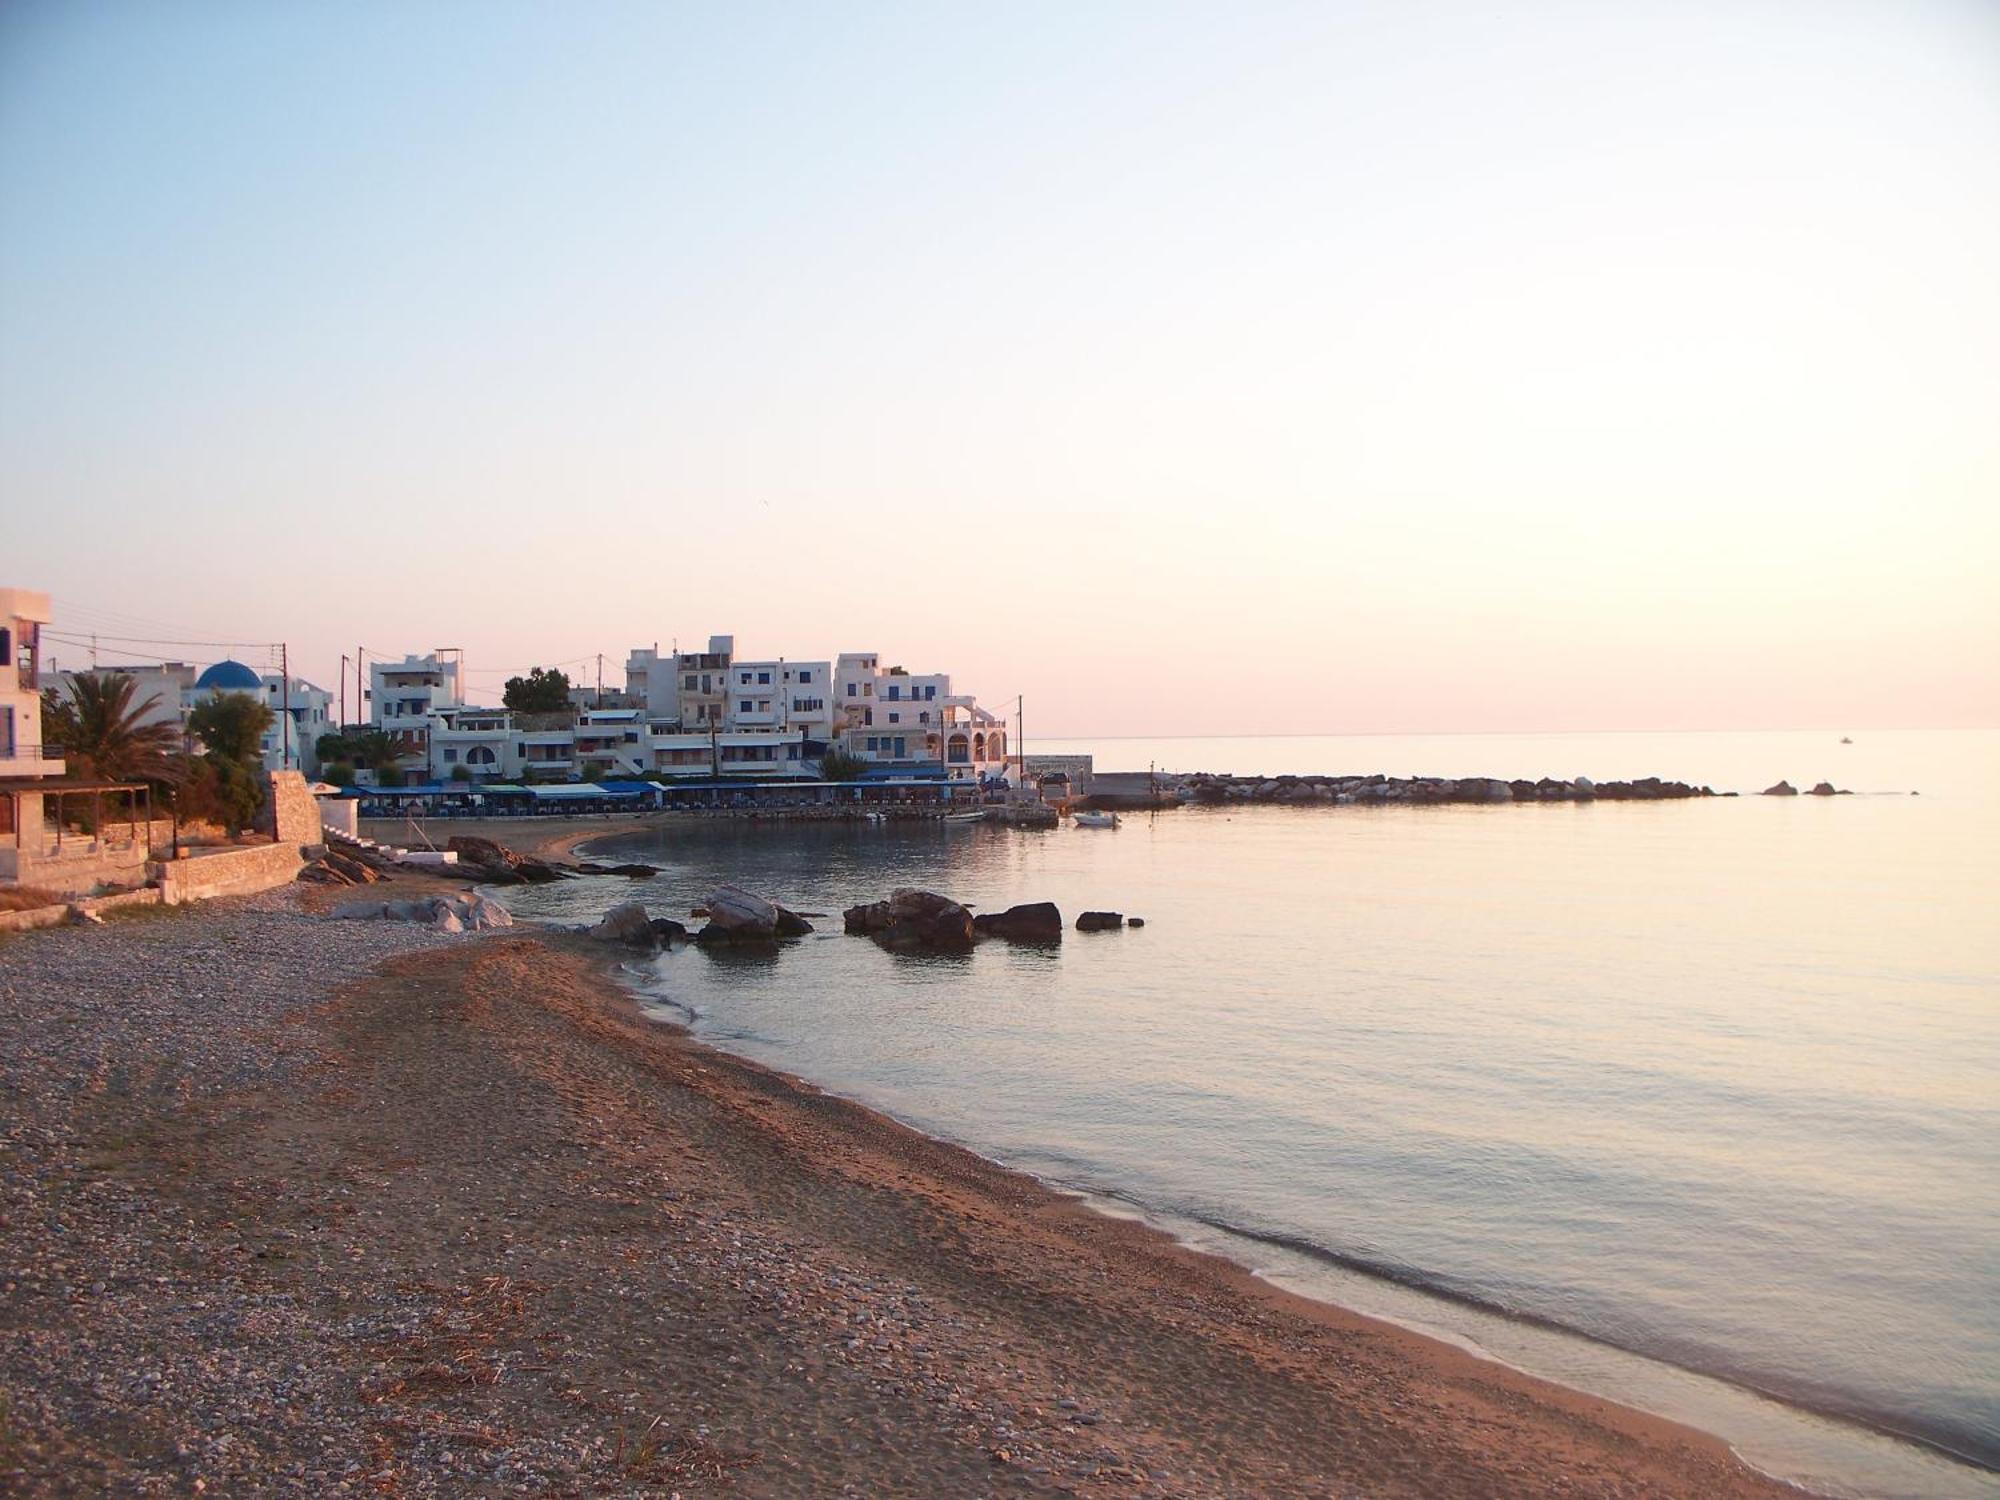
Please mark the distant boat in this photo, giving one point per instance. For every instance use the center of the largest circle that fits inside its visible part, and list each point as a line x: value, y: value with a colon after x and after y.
x: 965, y: 817
x: 1096, y: 820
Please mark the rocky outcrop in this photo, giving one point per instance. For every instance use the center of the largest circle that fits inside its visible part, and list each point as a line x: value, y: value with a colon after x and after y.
x: 1100, y: 921
x: 1827, y: 789
x: 913, y: 921
x: 635, y: 871
x: 1782, y: 789
x: 1034, y: 922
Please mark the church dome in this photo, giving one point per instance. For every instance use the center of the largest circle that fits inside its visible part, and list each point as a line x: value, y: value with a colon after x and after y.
x: 228, y: 677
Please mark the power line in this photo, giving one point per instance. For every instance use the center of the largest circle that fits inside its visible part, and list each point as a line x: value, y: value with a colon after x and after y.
x: 140, y: 640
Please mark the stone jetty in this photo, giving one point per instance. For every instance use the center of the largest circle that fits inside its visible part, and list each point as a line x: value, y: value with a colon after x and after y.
x: 1345, y: 790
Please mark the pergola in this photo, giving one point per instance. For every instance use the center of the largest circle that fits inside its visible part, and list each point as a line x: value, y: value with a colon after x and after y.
x: 61, y: 789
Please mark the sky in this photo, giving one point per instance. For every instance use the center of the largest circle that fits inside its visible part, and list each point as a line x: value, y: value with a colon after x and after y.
x: 1247, y: 368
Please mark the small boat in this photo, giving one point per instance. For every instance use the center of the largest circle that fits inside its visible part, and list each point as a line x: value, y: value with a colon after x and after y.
x: 965, y: 817
x: 1097, y: 820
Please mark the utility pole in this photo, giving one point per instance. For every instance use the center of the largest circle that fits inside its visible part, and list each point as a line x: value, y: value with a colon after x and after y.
x: 600, y: 679
x: 360, y: 696
x: 285, y: 696
x: 343, y: 692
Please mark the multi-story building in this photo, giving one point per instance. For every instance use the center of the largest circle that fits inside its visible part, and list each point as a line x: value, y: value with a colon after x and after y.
x: 703, y: 685
x: 403, y: 695
x: 891, y: 715
x: 652, y: 682
x: 162, y: 692
x: 791, y: 695
x: 23, y: 613
x: 479, y: 741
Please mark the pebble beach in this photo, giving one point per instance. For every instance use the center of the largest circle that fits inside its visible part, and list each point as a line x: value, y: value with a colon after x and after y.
x: 294, y: 1206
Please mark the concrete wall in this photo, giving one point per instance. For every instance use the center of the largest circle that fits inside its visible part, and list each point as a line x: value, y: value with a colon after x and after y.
x: 228, y: 872
x: 341, y: 814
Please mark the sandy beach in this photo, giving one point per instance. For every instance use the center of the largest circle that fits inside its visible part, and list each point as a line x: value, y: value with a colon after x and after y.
x: 295, y: 1206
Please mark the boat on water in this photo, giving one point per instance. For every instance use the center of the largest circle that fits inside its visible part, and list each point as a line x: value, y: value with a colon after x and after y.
x: 1097, y: 820
x: 965, y: 817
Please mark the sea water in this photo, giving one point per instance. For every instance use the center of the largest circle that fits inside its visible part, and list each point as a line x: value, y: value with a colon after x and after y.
x: 1677, y: 1102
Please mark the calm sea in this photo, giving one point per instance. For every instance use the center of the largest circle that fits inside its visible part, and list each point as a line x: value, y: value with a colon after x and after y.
x: 1676, y: 1102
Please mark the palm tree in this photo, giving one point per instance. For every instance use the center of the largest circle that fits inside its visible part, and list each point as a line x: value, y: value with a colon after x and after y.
x: 379, y: 751
x: 110, y: 739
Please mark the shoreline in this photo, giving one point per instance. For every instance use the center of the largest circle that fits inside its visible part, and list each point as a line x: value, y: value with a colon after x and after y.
x: 1137, y: 1236
x: 466, y: 1221
x: 1762, y: 1420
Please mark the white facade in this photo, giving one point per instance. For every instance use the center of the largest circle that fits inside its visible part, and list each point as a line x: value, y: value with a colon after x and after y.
x: 796, y: 696
x: 652, y: 682
x: 403, y: 695
x: 23, y: 613
x: 160, y: 690
x: 312, y: 716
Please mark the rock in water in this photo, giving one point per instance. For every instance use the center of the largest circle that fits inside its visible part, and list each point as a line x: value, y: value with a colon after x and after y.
x: 625, y: 924
x: 1782, y: 789
x: 1034, y: 922
x: 913, y: 921
x: 735, y: 911
x: 791, y: 924
x: 1823, y: 789
x: 1100, y: 921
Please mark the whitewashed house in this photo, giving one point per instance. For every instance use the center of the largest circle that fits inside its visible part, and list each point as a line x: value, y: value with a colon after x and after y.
x: 404, y: 695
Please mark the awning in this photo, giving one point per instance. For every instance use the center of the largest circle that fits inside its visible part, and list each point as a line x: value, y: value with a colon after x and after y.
x: 577, y: 792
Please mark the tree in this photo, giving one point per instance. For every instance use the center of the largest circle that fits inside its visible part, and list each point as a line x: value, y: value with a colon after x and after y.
x: 105, y: 735
x: 838, y: 765
x: 228, y: 783
x: 381, y: 752
x: 542, y: 691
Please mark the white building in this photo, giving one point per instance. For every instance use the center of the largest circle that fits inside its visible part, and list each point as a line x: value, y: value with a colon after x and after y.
x: 403, y: 695
x: 652, y: 682
x: 796, y: 696
x: 478, y: 740
x: 23, y: 613
x: 312, y: 714
x: 890, y: 715
x: 160, y: 690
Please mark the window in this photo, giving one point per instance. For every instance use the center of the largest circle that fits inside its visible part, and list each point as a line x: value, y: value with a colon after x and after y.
x: 930, y: 690
x: 868, y: 716
x: 867, y: 689
x: 874, y: 743
x: 451, y: 757
x: 806, y: 678
x: 850, y: 690
x: 743, y: 678
x: 895, y: 691
x: 895, y: 718
x: 745, y: 706
x: 924, y: 717
x: 791, y: 752
x: 763, y: 679
x: 899, y: 747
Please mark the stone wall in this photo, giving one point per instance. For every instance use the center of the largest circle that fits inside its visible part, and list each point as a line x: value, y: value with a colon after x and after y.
x: 291, y: 813
x: 228, y: 872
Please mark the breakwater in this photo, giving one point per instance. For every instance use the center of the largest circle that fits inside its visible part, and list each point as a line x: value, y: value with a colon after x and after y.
x: 1222, y: 787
